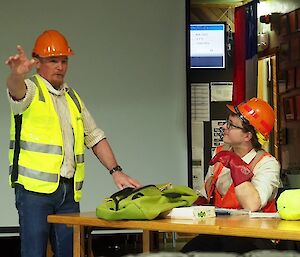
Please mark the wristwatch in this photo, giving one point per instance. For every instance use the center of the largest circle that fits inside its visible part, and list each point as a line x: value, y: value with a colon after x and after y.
x: 114, y: 169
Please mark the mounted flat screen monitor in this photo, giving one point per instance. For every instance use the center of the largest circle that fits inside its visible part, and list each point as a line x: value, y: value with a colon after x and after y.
x: 207, y: 45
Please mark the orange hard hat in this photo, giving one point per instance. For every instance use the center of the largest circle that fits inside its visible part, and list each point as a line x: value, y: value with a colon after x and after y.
x: 51, y: 43
x: 256, y: 112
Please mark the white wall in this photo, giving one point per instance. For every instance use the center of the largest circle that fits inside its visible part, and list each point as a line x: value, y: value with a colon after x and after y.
x: 129, y: 68
x: 273, y: 6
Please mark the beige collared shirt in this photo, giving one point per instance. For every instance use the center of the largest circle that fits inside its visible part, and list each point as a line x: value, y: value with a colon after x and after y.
x: 92, y: 134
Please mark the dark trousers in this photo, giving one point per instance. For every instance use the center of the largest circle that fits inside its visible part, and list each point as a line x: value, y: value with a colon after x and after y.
x: 216, y: 243
x: 33, y: 209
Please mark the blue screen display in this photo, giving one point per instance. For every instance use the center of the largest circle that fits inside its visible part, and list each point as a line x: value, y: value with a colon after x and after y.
x: 207, y: 45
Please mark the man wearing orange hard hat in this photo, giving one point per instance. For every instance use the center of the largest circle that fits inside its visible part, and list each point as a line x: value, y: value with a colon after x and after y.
x: 241, y: 175
x: 50, y: 127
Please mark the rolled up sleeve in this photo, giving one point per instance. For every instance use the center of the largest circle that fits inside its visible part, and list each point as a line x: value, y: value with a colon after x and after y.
x: 19, y: 106
x: 92, y: 134
x: 266, y: 179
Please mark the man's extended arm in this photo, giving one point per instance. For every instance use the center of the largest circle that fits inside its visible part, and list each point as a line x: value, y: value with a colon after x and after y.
x: 20, y: 65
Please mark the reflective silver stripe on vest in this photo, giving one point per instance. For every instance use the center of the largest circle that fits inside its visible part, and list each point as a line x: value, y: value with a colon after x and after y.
x: 80, y: 158
x: 79, y: 185
x: 36, y: 147
x: 36, y: 82
x: 74, y: 98
x: 11, y: 144
x: 41, y: 148
x: 49, y: 177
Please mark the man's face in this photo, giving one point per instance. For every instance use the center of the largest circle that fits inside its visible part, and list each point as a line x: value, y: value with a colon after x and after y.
x: 53, y: 69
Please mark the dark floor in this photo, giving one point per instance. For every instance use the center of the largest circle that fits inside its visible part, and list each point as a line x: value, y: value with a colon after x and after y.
x: 122, y: 245
x: 117, y: 245
x: 10, y: 246
x: 108, y: 245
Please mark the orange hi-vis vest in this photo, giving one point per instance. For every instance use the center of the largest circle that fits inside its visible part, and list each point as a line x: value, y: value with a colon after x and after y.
x: 229, y: 200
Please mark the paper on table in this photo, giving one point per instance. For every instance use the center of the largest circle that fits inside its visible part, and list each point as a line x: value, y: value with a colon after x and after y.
x: 193, y: 212
x: 264, y: 215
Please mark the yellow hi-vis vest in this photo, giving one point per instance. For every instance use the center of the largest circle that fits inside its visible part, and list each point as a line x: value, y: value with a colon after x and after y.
x: 36, y: 144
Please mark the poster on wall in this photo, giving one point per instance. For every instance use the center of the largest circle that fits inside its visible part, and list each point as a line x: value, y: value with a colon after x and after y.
x: 217, y: 133
x: 200, y: 104
x: 221, y: 91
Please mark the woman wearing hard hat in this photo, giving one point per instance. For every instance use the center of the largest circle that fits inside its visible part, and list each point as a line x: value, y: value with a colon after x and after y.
x: 241, y: 175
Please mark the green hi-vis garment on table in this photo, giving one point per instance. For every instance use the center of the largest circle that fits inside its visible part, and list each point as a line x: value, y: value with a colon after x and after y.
x: 288, y: 204
x: 144, y: 203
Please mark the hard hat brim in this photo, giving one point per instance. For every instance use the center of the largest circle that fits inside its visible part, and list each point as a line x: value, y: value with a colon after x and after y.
x: 231, y: 108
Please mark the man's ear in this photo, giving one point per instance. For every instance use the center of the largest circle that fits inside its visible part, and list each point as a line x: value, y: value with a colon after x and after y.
x: 37, y: 62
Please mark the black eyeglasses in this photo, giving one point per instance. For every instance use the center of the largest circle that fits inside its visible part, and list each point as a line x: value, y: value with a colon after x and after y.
x: 230, y: 125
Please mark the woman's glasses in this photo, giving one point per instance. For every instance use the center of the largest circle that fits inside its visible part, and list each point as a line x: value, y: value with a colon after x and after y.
x: 230, y: 125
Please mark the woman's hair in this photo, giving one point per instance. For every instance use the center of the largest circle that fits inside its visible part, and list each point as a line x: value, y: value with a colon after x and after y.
x: 254, y: 140
x: 247, y: 127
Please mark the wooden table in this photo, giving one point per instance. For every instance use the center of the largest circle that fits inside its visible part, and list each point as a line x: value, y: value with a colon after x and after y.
x: 236, y: 225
